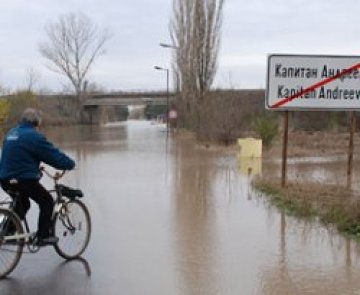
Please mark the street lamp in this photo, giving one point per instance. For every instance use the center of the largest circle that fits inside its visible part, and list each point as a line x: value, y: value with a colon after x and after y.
x: 167, y: 94
x: 176, y: 48
x: 165, y: 45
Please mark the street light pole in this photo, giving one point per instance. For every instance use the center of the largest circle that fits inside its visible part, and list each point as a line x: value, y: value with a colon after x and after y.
x: 171, y: 46
x: 176, y: 48
x: 167, y: 94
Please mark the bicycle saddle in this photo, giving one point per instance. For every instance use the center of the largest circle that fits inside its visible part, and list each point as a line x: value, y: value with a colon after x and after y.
x: 69, y: 192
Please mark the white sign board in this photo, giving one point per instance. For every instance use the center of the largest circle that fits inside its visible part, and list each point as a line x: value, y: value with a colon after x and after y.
x: 304, y: 82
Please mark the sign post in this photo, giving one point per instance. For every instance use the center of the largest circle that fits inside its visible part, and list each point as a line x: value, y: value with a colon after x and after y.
x: 284, y: 151
x: 351, y: 150
x: 314, y: 82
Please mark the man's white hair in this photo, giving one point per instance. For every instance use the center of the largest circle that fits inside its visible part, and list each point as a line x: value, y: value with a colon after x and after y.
x: 31, y: 116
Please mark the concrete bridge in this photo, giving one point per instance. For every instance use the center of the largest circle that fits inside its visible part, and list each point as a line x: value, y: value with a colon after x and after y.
x: 129, y: 98
x: 97, y: 108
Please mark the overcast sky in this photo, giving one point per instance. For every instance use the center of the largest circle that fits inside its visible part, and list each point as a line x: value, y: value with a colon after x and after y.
x: 251, y: 30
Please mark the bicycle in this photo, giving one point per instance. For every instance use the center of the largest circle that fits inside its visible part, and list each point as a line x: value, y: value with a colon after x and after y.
x: 70, y: 223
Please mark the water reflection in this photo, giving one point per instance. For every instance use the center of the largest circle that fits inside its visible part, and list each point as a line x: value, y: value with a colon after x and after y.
x: 311, y: 260
x: 84, y: 134
x: 283, y: 255
x: 66, y: 278
x: 328, y: 171
x: 249, y: 166
x: 171, y: 217
x: 81, y: 261
x: 195, y: 224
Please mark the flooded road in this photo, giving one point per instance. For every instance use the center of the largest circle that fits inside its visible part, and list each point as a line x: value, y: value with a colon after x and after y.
x: 170, y: 217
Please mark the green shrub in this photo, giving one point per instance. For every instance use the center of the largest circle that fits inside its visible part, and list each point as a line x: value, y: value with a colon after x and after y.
x: 266, y: 127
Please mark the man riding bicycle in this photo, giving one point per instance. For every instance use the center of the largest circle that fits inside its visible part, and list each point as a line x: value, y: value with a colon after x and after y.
x: 24, y: 148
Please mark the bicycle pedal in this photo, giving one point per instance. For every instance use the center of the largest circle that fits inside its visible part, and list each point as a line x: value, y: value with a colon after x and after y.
x: 49, y: 241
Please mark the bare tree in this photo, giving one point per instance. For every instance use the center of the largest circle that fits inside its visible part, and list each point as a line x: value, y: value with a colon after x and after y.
x: 32, y: 77
x: 181, y: 35
x: 74, y: 43
x: 195, y: 31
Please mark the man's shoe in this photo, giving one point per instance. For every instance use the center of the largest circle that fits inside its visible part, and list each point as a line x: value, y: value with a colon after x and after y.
x: 47, y: 241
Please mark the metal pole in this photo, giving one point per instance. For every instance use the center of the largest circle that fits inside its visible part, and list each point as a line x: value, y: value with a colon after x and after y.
x: 284, y: 151
x: 351, y: 150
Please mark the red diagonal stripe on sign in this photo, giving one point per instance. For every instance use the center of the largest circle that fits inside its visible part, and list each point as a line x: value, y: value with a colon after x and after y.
x: 315, y: 86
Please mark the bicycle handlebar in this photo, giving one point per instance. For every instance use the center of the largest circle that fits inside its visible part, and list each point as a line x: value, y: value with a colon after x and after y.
x: 56, y: 176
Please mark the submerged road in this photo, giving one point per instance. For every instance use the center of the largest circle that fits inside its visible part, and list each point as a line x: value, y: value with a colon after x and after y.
x: 170, y: 217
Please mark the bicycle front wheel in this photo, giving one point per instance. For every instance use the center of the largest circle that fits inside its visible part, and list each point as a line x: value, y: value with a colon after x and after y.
x: 73, y: 228
x: 10, y: 246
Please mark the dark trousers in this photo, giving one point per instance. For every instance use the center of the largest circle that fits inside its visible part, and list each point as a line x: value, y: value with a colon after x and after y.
x: 32, y: 189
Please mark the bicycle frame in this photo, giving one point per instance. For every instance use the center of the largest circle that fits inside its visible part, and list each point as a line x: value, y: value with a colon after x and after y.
x: 70, y: 222
x: 28, y: 236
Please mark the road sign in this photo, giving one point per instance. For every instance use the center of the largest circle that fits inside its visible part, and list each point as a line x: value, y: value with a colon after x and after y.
x: 313, y: 82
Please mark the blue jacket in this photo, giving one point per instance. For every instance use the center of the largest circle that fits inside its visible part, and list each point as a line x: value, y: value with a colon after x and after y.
x: 24, y: 148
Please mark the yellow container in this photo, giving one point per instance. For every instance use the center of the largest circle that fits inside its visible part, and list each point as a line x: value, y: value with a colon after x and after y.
x: 250, y: 147
x: 249, y: 166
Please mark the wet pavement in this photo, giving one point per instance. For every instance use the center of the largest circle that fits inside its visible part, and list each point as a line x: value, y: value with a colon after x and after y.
x: 170, y: 217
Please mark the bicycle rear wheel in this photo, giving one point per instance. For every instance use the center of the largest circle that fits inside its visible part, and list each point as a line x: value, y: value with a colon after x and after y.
x: 73, y: 228
x: 10, y: 247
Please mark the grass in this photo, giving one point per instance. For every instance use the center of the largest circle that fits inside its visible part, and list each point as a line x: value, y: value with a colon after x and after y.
x: 331, y: 204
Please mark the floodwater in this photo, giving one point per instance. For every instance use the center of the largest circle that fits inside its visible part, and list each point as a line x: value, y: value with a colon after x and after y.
x: 170, y: 217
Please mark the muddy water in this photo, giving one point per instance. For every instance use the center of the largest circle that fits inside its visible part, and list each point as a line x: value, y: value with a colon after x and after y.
x: 170, y: 217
